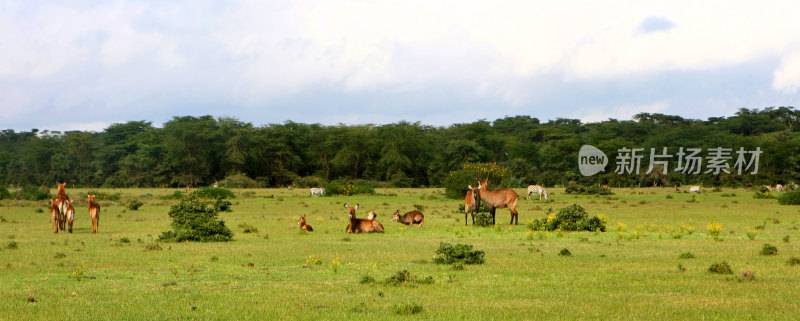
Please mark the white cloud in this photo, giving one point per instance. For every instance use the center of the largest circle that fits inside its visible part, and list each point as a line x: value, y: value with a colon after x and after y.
x: 625, y: 112
x: 787, y: 76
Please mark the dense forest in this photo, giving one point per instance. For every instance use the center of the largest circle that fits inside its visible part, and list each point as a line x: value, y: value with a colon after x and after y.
x: 201, y: 150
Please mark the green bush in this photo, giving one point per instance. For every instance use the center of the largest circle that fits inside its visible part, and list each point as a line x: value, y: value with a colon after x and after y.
x: 459, y: 253
x: 400, y: 179
x: 570, y: 218
x: 4, y: 193
x: 769, y: 249
x: 483, y: 218
x: 308, y: 181
x: 238, y: 180
x: 134, y: 205
x: 763, y: 195
x: 212, y: 192
x: 406, y: 308
x: 194, y: 220
x: 405, y: 277
x: 790, y: 198
x: 720, y: 268
x: 222, y: 205
x: 341, y: 187
x: 576, y: 188
x: 33, y: 193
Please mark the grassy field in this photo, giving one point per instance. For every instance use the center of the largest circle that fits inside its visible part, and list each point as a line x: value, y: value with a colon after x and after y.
x: 632, y: 271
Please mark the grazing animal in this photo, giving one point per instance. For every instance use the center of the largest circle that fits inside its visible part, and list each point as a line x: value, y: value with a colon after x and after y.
x: 54, y: 214
x: 410, y: 218
x: 303, y: 225
x: 317, y: 191
x: 676, y: 188
x: 605, y: 186
x: 361, y: 225
x: 188, y: 188
x: 472, y: 202
x: 694, y: 189
x: 94, y: 212
x: 794, y: 186
x: 504, y: 197
x: 70, y: 214
x: 778, y: 188
x: 536, y: 189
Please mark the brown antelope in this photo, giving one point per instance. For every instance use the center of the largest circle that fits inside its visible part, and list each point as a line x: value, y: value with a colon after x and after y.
x: 70, y: 214
x: 409, y: 218
x: 472, y: 203
x: 504, y: 197
x: 536, y: 189
x: 61, y: 200
x: 94, y: 212
x: 303, y: 225
x: 362, y: 225
x: 778, y: 188
x: 54, y: 214
x: 678, y: 190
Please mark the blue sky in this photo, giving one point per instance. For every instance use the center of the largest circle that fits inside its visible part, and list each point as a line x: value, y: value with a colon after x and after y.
x: 83, y: 65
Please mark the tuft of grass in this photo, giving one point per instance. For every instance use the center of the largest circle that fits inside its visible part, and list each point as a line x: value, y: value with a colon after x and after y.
x: 406, y: 308
x: 367, y: 279
x: 13, y: 245
x: 748, y: 275
x: 686, y: 255
x: 153, y: 247
x: 405, y: 277
x: 793, y: 260
x: 247, y: 228
x: 565, y: 252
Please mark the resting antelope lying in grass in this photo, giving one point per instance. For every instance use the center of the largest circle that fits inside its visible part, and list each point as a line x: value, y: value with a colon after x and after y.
x: 409, y: 218
x: 362, y: 225
x: 303, y: 225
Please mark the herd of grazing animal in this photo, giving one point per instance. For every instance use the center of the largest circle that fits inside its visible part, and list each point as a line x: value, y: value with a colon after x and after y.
x: 62, y: 212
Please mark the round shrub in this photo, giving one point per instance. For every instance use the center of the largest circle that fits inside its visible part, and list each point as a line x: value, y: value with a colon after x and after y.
x: 33, y: 193
x: 456, y: 182
x: 238, y: 180
x: 134, y: 205
x: 340, y: 187
x: 194, y: 220
x: 790, y: 198
x: 459, y: 253
x: 4, y: 193
x: 570, y: 218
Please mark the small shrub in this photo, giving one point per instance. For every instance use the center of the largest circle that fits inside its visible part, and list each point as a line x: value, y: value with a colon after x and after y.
x: 194, y: 220
x: 786, y: 239
x: 404, y: 277
x: 686, y: 255
x: 669, y: 197
x: 134, y: 205
x: 13, y: 245
x: 790, y: 198
x: 720, y: 268
x: 570, y: 218
x: 714, y: 230
x: 748, y: 275
x: 222, y: 205
x: 565, y: 252
x: 681, y: 268
x: 459, y: 253
x: 213, y: 193
x: 124, y: 240
x: 366, y: 279
x: 4, y: 193
x: 59, y: 255
x: 153, y: 247
x: 793, y: 260
x: 483, y: 219
x: 769, y: 249
x: 406, y: 308
x: 238, y: 180
x: 751, y: 234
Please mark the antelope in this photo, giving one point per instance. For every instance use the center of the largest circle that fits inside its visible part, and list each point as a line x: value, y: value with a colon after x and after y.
x: 778, y: 188
x: 793, y: 186
x: 605, y: 186
x: 536, y: 189
x: 303, y: 225
x: 504, y: 197
x: 678, y: 190
x: 94, y: 212
x: 54, y: 214
x: 362, y: 225
x: 216, y: 184
x: 61, y: 200
x: 694, y: 189
x: 70, y: 214
x: 317, y: 191
x: 472, y: 201
x: 409, y: 218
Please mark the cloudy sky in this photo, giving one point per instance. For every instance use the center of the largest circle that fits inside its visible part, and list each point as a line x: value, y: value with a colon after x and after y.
x: 85, y: 64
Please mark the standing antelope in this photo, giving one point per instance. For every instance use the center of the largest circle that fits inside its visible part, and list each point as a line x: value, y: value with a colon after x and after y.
x: 94, y: 212
x: 472, y: 203
x: 362, y: 225
x: 54, y: 214
x: 303, y: 225
x: 61, y: 200
x: 504, y: 197
x: 536, y: 189
x: 694, y: 189
x: 410, y: 218
x: 70, y: 214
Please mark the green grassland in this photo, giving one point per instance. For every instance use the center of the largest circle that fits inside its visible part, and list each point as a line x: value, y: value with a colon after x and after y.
x: 630, y: 272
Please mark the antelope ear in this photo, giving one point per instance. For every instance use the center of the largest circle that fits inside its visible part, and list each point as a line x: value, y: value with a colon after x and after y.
x: 345, y: 205
x: 355, y: 208
x: 470, y: 187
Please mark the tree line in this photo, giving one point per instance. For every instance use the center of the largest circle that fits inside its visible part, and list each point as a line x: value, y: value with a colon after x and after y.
x: 197, y: 151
